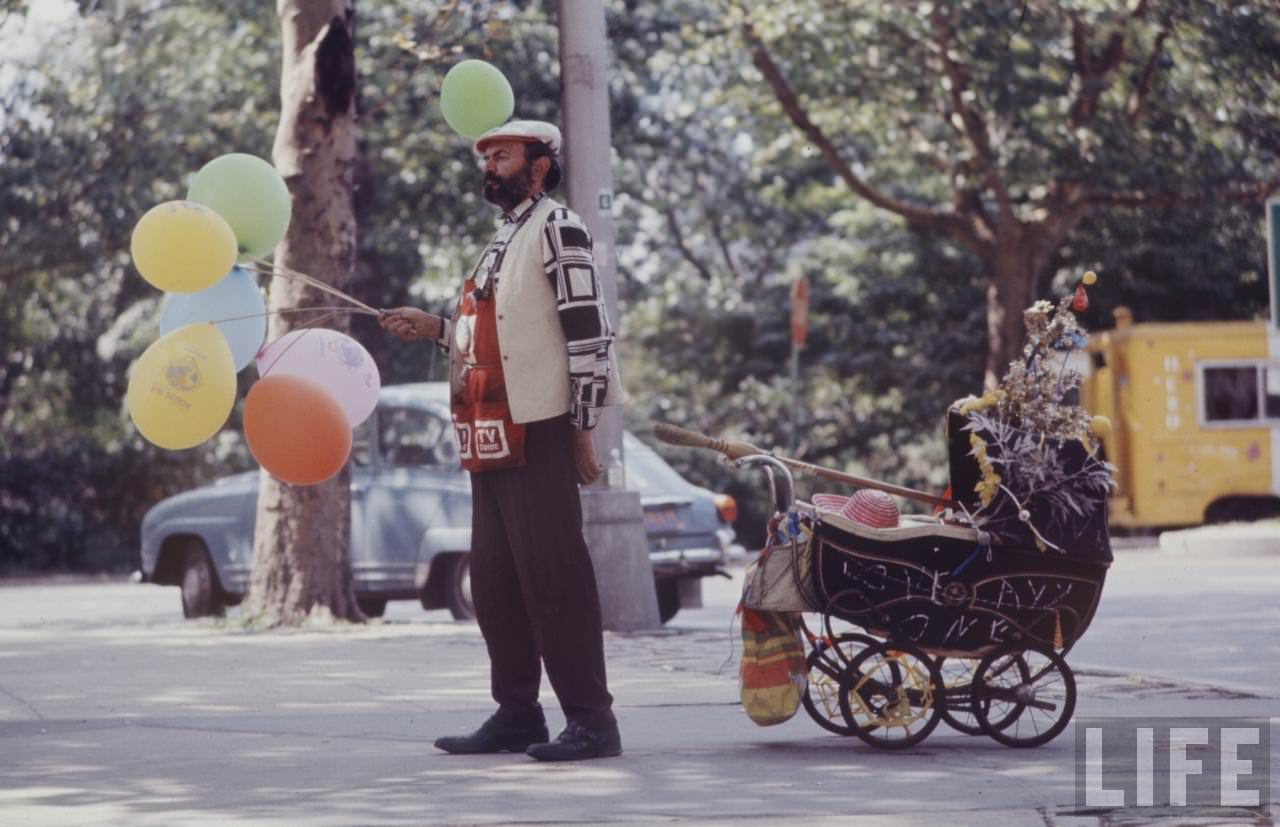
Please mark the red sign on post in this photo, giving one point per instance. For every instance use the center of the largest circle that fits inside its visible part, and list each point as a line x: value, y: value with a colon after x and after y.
x: 799, y: 312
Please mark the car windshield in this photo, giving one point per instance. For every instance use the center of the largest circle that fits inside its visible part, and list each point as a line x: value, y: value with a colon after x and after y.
x: 360, y: 444
x: 412, y: 437
x: 649, y: 473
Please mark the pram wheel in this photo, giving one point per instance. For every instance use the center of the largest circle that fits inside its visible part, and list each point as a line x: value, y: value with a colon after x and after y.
x: 891, y: 695
x: 1023, y: 698
x: 828, y: 659
x: 957, y: 678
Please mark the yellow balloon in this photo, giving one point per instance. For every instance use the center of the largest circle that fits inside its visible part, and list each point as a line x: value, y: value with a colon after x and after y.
x: 182, y: 388
x: 183, y: 247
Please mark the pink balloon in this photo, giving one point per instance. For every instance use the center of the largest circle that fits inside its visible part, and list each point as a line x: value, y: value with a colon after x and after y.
x: 333, y: 360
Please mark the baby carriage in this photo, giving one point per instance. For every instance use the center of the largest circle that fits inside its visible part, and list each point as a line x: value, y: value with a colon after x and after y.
x: 932, y: 620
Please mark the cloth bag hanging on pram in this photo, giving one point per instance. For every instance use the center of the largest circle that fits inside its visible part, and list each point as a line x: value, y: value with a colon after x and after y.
x: 773, y: 676
x: 780, y: 579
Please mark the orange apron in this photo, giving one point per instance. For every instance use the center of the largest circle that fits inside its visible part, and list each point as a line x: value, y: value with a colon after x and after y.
x: 488, y: 439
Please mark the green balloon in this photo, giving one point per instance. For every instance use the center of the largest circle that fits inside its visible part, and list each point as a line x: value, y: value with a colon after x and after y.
x: 475, y: 98
x: 252, y: 197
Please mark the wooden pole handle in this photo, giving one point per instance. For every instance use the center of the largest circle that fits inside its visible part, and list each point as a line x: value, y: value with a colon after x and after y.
x: 692, y: 439
x: 734, y: 449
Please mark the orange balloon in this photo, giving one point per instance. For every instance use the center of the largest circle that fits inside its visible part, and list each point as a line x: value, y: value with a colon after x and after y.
x: 295, y: 429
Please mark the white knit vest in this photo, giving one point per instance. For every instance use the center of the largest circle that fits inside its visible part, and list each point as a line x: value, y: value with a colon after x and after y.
x: 535, y: 358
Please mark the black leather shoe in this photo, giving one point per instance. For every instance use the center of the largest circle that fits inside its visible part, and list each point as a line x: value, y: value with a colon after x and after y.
x: 498, y: 734
x: 577, y: 743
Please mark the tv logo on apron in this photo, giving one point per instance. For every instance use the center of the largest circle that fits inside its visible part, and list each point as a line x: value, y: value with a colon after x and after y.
x: 482, y: 439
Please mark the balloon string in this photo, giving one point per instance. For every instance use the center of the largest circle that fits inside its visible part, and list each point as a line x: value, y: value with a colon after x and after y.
x: 270, y: 265
x: 288, y: 310
x: 310, y: 325
x: 317, y: 284
x: 272, y: 269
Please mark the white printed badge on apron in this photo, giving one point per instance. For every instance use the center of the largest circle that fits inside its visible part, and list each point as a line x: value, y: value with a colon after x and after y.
x: 462, y: 430
x: 490, y: 439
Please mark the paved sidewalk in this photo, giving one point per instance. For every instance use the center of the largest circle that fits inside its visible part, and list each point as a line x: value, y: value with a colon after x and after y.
x: 1262, y: 537
x: 147, y: 720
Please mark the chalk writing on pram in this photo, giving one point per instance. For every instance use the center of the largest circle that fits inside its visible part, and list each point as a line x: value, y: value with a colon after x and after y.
x: 943, y: 595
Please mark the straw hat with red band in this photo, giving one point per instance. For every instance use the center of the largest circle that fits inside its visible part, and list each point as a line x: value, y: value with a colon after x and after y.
x: 528, y: 131
x: 871, y: 508
x: 867, y: 507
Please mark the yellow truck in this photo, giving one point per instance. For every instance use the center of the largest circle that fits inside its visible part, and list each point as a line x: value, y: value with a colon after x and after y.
x: 1195, y: 413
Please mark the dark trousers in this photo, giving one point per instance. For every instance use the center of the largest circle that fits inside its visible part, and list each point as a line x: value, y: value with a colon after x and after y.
x: 533, y: 584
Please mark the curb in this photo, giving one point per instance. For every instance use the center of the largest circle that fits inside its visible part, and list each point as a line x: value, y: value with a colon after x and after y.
x: 1228, y: 538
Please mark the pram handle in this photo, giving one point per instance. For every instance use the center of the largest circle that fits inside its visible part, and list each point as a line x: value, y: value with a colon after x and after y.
x: 781, y: 488
x: 735, y: 449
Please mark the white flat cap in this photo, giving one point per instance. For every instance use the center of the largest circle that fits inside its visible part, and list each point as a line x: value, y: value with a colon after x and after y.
x: 530, y: 131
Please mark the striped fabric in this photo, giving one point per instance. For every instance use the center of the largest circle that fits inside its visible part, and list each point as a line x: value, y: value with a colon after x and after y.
x: 773, y: 675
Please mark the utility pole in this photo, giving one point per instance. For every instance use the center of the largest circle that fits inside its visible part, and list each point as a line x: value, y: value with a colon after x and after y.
x: 1273, y: 273
x: 799, y: 331
x: 613, y: 519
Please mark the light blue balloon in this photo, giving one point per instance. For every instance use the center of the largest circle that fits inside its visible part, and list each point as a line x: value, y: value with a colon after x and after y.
x: 235, y: 306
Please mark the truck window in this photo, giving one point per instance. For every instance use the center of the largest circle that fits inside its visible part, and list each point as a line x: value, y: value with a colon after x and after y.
x: 1271, y: 392
x: 1231, y: 393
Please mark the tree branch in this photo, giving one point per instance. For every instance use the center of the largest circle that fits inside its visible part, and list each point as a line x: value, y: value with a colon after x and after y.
x: 975, y: 125
x: 673, y: 224
x: 1066, y: 207
x: 946, y: 223
x: 1138, y: 97
x: 717, y: 232
x: 969, y: 200
x: 1093, y: 73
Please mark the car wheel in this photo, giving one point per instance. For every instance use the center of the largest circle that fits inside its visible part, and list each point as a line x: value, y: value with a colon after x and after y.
x: 458, y: 589
x: 200, y: 594
x: 372, y: 606
x: 668, y: 599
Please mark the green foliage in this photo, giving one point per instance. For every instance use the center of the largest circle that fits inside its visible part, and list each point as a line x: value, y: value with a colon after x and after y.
x: 116, y: 110
x: 721, y: 204
x: 106, y: 121
x: 745, y: 204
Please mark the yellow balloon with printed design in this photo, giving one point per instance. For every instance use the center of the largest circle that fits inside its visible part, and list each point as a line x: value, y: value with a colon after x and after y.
x: 183, y: 247
x: 182, y: 388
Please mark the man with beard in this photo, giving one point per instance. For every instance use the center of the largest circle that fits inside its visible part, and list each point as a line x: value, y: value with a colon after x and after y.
x: 530, y: 365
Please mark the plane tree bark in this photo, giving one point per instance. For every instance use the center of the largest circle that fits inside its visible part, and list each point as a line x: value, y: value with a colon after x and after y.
x: 301, y: 547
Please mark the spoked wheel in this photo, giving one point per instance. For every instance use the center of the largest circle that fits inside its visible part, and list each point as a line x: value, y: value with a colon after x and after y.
x: 826, y: 661
x: 1023, y: 699
x: 957, y: 677
x: 891, y: 695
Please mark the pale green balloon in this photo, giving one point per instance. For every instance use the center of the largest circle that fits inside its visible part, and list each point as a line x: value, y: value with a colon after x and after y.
x: 252, y: 197
x: 475, y: 98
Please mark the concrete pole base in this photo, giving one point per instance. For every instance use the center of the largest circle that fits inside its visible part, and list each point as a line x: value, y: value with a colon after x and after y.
x: 613, y: 522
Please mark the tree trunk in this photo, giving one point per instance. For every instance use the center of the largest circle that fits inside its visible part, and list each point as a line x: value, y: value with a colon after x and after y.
x: 301, y: 545
x: 1011, y: 278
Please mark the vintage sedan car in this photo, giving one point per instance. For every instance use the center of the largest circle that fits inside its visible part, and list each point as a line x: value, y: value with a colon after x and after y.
x: 411, y: 520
